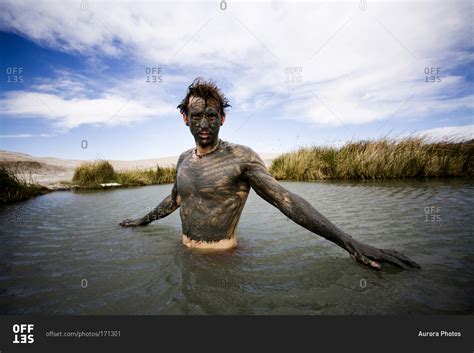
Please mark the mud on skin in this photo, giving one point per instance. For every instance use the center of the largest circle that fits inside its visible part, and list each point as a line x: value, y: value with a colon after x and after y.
x: 211, y: 192
x: 213, y: 181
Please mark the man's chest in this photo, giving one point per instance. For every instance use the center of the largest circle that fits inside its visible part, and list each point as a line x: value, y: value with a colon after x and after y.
x: 208, y: 176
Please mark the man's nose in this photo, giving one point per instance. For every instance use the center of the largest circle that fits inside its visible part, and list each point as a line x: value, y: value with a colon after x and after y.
x: 204, y: 122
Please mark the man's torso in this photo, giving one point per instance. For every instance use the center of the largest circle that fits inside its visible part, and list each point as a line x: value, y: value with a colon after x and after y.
x: 213, y: 193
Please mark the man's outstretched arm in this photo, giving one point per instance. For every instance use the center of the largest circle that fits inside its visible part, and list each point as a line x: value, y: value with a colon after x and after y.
x: 166, y: 207
x: 300, y: 211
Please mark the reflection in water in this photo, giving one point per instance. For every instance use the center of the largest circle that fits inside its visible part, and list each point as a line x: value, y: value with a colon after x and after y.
x: 64, y: 253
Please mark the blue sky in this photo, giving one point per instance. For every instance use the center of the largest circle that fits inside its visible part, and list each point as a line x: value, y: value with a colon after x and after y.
x: 296, y: 74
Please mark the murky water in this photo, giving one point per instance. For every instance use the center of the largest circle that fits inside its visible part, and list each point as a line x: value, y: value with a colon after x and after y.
x: 64, y: 253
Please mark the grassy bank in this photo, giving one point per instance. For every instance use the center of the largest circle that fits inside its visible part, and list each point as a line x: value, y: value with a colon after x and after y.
x: 91, y: 175
x: 16, y: 187
x: 379, y: 159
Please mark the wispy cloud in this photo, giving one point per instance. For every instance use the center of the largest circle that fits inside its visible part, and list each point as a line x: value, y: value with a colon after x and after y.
x: 16, y: 136
x: 25, y: 135
x: 452, y: 133
x: 70, y: 113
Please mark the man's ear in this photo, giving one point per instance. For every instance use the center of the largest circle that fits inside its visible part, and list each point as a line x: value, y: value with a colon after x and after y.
x: 186, y: 119
x: 222, y: 119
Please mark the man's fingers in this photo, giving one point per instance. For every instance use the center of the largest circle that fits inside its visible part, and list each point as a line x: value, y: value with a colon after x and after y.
x: 409, y: 262
x: 399, y: 257
x: 373, y: 258
x: 394, y: 261
x: 126, y: 222
x: 366, y: 261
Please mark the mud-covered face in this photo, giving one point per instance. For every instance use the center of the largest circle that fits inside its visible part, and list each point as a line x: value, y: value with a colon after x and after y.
x: 204, y: 121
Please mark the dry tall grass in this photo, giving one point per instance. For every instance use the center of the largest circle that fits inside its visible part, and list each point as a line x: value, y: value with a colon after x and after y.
x: 160, y: 175
x: 15, y: 186
x: 379, y: 159
x: 92, y: 174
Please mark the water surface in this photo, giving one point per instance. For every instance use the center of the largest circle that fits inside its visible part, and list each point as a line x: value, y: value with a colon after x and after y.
x: 64, y: 253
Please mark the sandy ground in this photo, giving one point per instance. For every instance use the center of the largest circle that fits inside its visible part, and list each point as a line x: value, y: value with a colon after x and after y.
x: 50, y: 171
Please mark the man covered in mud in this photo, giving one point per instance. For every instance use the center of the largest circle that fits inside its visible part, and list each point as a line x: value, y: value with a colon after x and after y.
x: 214, y: 179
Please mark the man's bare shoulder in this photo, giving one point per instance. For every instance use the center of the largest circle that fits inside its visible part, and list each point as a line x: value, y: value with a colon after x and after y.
x: 183, y: 156
x: 245, y: 153
x: 238, y: 150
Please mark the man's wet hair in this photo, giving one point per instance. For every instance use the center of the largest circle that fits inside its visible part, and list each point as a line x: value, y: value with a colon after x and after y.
x: 206, y: 90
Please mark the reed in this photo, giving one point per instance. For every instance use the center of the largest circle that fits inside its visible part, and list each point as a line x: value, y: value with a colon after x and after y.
x: 16, y: 187
x: 379, y: 159
x: 159, y: 175
x: 92, y: 174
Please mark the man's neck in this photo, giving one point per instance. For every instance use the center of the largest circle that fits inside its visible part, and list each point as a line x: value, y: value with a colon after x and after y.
x: 206, y: 150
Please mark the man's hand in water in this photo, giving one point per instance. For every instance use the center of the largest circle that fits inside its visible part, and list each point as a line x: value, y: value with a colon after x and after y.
x: 303, y: 213
x: 134, y: 222
x: 373, y: 257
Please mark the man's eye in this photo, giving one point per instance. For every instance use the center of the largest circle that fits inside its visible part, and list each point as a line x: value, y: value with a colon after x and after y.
x: 210, y: 116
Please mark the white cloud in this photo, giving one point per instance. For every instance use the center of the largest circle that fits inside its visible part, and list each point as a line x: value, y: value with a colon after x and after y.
x: 369, y: 65
x: 70, y: 99
x: 448, y: 133
x: 16, y: 136
x: 70, y: 113
x: 25, y: 135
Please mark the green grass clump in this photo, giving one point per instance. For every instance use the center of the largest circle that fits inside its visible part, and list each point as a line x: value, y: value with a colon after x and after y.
x: 160, y: 175
x: 378, y: 159
x: 14, y: 187
x: 91, y: 175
